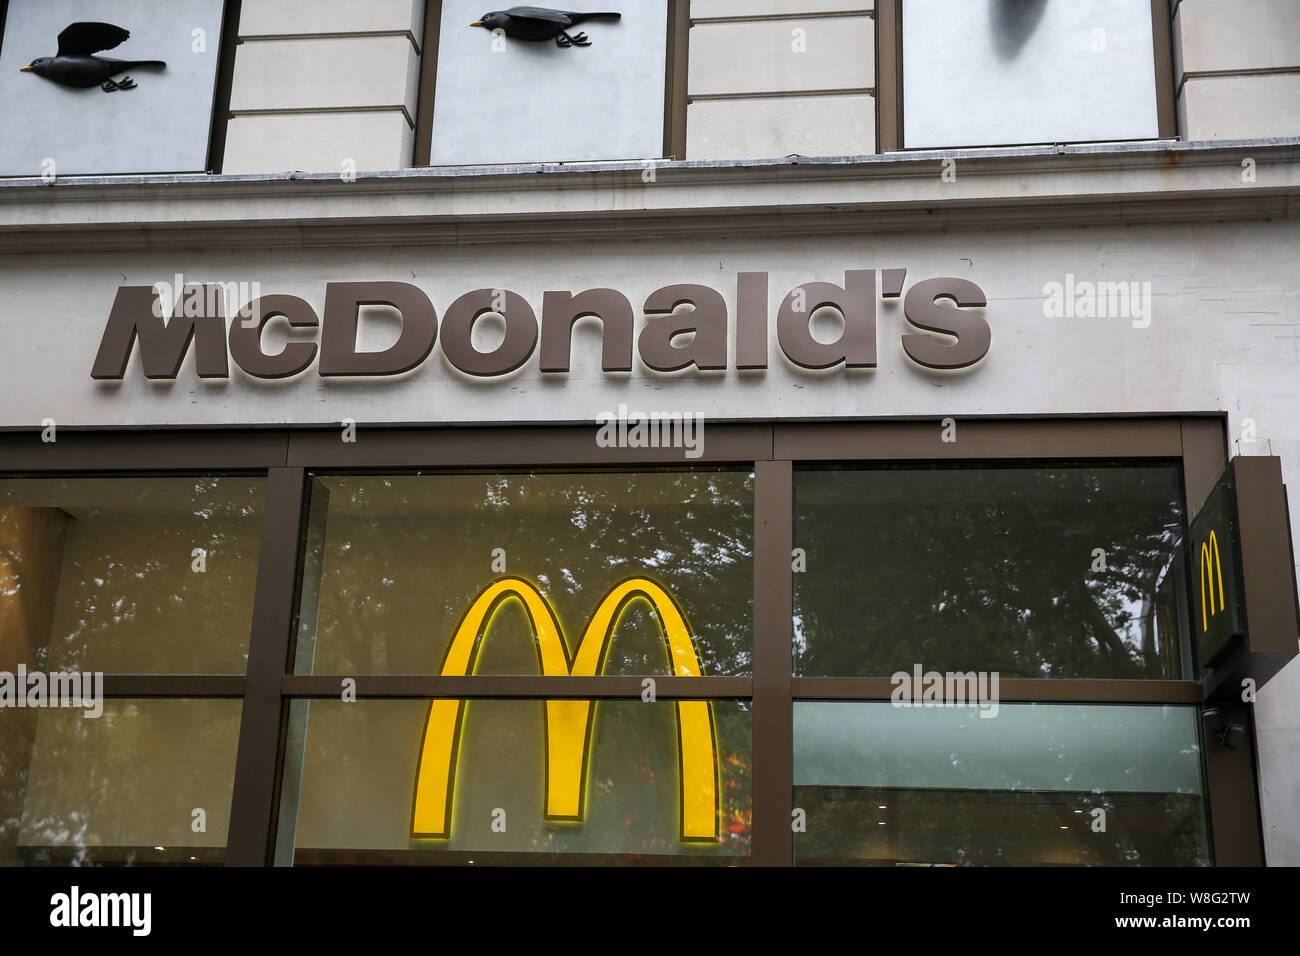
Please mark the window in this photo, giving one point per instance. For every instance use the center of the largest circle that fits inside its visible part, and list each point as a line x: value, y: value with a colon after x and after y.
x: 644, y: 788
x: 150, y: 118
x: 1041, y: 784
x: 1010, y: 72
x: 398, y: 560
x: 537, y: 576
x: 150, y: 577
x: 145, y: 782
x: 489, y: 99
x: 1048, y: 572
x: 444, y: 646
x: 130, y: 575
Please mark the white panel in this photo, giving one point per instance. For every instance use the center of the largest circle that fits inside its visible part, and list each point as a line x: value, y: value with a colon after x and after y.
x: 318, y: 142
x: 703, y: 9
x: 1241, y: 107
x: 990, y: 72
x: 291, y: 17
x: 161, y: 125
x: 1284, y: 33
x: 536, y: 102
x: 1221, y: 35
x: 772, y: 127
x: 333, y: 72
x: 782, y: 56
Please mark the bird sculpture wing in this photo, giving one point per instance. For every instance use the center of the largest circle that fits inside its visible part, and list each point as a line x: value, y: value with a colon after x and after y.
x: 541, y: 13
x: 82, y: 39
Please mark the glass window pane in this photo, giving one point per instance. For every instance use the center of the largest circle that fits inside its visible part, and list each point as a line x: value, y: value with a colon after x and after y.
x: 643, y: 787
x: 399, y: 565
x: 892, y: 785
x: 1031, y: 572
x: 1004, y: 72
x: 121, y: 787
x: 128, y: 575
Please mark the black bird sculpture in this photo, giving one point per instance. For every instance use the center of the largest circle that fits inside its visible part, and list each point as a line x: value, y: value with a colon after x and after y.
x: 73, y: 65
x: 541, y: 23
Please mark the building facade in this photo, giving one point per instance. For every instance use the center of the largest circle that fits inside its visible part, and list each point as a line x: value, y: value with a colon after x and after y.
x: 739, y: 431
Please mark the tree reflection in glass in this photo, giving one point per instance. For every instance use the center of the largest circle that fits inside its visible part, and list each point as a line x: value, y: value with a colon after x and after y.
x: 395, y: 561
x: 1033, y: 572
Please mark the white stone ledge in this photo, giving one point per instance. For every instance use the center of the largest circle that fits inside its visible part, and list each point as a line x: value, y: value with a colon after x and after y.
x: 994, y: 188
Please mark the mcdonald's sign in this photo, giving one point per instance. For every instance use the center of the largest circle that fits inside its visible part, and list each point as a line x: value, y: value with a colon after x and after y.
x: 1211, y: 562
x: 569, y: 723
x: 1215, y: 603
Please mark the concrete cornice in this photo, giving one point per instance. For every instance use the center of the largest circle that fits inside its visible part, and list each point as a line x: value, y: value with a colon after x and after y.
x: 992, y: 188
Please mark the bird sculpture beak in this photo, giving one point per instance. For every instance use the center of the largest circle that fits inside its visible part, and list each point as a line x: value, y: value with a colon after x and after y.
x: 24, y: 69
x: 477, y: 23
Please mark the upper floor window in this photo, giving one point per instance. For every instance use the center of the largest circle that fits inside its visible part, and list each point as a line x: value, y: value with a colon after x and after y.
x: 93, y: 88
x: 1006, y: 72
x: 527, y: 89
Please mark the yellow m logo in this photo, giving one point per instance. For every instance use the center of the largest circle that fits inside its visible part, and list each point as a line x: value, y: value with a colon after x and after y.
x: 569, y: 722
x: 1210, y: 565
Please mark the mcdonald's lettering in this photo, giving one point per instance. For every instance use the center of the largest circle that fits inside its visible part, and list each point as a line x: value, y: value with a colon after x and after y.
x: 1211, y: 565
x: 568, y: 723
x: 142, y: 318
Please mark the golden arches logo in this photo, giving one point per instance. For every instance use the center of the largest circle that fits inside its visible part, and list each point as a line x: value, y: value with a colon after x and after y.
x: 1210, y: 565
x: 569, y: 722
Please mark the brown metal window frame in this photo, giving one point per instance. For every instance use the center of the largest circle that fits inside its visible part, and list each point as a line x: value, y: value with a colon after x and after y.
x: 674, y: 146
x: 289, y: 456
x: 889, y: 75
x: 225, y: 79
